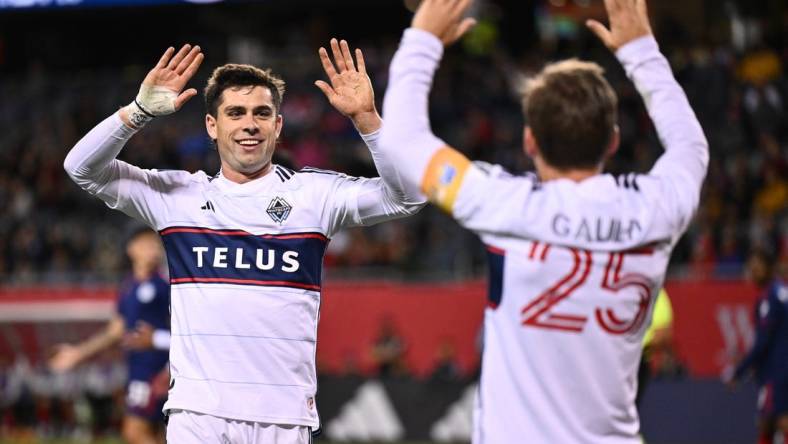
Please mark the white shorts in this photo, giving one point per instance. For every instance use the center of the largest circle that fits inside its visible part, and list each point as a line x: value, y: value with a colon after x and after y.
x: 186, y: 427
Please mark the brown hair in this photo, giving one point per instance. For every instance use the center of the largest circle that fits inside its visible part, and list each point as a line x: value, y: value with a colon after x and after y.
x: 233, y: 76
x: 572, y: 112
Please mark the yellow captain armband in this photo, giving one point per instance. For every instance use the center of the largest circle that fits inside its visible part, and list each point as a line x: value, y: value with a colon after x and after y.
x: 443, y: 177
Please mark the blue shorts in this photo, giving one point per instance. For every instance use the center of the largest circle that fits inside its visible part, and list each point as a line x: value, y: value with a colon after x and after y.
x: 773, y: 399
x: 143, y: 403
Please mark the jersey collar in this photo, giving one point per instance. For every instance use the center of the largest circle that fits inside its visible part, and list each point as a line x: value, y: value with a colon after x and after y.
x: 252, y: 187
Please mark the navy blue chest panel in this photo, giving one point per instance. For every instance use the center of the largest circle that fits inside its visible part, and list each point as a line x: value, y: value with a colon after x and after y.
x: 207, y: 256
x: 147, y: 301
x: 496, y: 258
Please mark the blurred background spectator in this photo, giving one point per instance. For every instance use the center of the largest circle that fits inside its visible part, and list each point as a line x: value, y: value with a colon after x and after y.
x: 63, y: 69
x: 53, y: 93
x: 388, y: 352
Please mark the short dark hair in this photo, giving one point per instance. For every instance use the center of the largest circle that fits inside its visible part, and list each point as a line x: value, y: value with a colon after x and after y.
x: 234, y: 75
x: 572, y: 112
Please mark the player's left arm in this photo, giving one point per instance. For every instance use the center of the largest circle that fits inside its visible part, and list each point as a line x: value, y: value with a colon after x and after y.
x: 349, y: 90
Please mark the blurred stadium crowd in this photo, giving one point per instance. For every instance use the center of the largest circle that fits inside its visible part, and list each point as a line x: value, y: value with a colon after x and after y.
x: 740, y: 98
x: 37, y: 403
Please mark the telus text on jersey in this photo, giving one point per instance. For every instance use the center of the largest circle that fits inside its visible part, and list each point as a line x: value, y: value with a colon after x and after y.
x: 265, y: 259
x: 595, y: 230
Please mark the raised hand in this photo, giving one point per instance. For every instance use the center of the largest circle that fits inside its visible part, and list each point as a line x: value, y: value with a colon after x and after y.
x: 628, y: 21
x: 443, y: 19
x: 161, y: 92
x: 162, y: 89
x: 350, y: 89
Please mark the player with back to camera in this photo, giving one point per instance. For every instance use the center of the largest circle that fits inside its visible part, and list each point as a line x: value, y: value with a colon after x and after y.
x: 576, y: 256
x: 245, y: 246
x: 142, y: 321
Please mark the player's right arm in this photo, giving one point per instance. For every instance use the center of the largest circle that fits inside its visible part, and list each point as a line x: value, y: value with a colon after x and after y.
x: 92, y: 162
x: 683, y: 165
x: 68, y: 356
x: 469, y: 191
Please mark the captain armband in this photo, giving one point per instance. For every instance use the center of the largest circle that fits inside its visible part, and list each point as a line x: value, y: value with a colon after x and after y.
x: 443, y: 177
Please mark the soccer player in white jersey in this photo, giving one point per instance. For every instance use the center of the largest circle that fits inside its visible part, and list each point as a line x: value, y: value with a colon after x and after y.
x: 244, y: 247
x: 577, y: 257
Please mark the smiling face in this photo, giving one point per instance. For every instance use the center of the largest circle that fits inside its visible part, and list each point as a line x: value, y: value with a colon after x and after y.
x: 245, y: 128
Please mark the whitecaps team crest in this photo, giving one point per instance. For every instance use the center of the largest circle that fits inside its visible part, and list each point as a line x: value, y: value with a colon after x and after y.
x: 279, y: 209
x: 146, y: 292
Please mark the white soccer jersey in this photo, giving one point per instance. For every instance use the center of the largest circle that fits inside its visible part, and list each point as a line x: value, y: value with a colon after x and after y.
x: 574, y: 266
x: 245, y: 267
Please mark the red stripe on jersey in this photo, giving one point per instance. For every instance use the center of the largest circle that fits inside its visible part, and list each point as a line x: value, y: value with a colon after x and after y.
x: 544, y: 252
x: 566, y: 317
x: 534, y: 246
x: 496, y: 250
x: 294, y: 236
x: 647, y: 249
x: 167, y: 231
x: 245, y: 281
x: 571, y: 328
